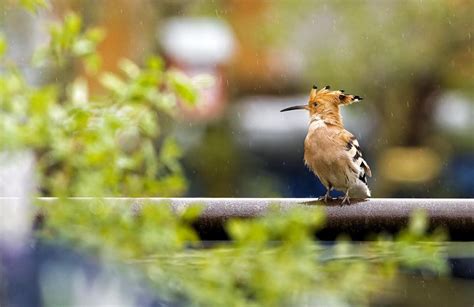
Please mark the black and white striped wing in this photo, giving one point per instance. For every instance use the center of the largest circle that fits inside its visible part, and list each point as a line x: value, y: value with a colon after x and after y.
x: 362, y: 169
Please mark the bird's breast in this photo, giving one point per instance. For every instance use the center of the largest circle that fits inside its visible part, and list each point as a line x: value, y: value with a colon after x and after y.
x: 318, y: 145
x: 324, y: 156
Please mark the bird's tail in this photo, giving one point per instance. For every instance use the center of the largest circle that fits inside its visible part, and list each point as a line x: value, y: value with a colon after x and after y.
x: 360, y: 190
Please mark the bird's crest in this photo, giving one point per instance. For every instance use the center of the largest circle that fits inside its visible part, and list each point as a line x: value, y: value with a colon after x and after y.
x: 325, y: 103
x: 326, y: 95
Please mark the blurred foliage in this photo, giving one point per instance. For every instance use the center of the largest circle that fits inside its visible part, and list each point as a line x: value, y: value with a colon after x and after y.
x: 33, y: 5
x: 3, y: 46
x: 107, y: 144
x: 272, y: 261
x: 68, y: 40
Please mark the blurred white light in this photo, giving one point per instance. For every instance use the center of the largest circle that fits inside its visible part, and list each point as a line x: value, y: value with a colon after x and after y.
x: 454, y: 113
x: 198, y: 41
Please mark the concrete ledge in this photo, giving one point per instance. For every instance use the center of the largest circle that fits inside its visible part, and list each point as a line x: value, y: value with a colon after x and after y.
x: 358, y: 220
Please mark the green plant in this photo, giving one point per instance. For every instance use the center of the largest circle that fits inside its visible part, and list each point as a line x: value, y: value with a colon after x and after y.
x: 97, y: 145
x: 271, y: 261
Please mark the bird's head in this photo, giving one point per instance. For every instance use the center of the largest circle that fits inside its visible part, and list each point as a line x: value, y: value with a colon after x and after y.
x: 325, y: 101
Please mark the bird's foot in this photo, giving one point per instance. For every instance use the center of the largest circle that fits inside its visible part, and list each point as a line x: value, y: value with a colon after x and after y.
x: 325, y: 198
x: 346, y: 200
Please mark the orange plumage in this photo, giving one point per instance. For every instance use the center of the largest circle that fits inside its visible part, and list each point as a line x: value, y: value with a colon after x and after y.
x: 330, y: 151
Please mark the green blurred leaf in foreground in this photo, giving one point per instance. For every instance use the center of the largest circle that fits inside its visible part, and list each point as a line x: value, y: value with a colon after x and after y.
x: 272, y: 260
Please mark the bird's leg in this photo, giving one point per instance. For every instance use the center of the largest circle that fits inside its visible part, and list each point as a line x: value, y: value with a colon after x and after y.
x: 326, y: 196
x: 346, y: 200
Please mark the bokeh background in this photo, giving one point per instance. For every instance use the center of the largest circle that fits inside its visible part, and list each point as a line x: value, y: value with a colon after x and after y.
x: 78, y: 130
x: 412, y: 61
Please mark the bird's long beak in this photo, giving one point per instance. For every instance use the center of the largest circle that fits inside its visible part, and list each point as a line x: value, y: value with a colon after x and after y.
x: 303, y: 107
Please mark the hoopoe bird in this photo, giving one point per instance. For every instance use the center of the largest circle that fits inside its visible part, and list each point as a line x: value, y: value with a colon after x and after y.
x: 330, y: 151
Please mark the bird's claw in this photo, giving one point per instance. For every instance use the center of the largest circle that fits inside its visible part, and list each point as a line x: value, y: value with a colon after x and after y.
x: 345, y: 201
x: 325, y: 198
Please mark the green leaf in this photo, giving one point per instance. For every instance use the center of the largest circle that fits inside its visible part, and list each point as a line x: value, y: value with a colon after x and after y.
x: 418, y: 222
x: 72, y: 25
x: 129, y: 68
x: 95, y: 34
x: 93, y: 63
x: 33, y: 5
x: 183, y: 87
x: 112, y: 82
x: 3, y: 46
x: 191, y: 213
x: 155, y: 63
